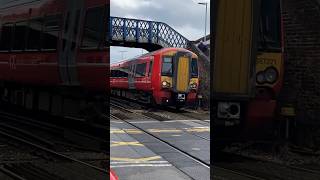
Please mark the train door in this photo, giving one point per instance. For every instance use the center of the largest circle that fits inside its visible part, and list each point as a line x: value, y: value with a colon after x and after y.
x: 141, y: 76
x: 149, y: 74
x: 131, y: 75
x: 68, y: 49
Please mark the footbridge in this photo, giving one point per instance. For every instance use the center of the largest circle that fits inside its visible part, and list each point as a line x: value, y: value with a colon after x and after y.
x: 149, y: 35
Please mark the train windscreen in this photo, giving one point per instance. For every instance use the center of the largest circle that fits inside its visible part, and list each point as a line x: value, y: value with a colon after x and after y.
x: 194, y: 68
x: 269, y: 28
x: 166, y: 66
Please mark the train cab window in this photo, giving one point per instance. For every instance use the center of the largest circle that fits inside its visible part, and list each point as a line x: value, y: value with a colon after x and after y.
x: 194, y: 68
x: 141, y: 70
x: 93, y: 28
x: 150, y: 68
x: 166, y: 69
x: 51, y: 32
x: 34, y: 34
x: 269, y: 36
x: 6, y: 37
x: 20, y: 36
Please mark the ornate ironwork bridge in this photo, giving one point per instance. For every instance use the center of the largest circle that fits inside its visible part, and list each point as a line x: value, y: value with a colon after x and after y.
x: 149, y: 35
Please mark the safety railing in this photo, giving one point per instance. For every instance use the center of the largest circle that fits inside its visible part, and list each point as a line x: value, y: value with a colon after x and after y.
x: 137, y: 31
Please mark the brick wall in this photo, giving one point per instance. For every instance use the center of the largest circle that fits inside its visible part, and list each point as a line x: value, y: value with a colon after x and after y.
x: 302, y: 66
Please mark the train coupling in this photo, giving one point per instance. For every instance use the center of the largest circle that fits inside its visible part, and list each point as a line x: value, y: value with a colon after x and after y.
x: 229, y: 110
x: 181, y: 97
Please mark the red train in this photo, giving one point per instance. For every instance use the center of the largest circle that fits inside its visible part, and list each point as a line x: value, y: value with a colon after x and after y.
x: 53, y: 53
x: 168, y: 76
x: 113, y: 175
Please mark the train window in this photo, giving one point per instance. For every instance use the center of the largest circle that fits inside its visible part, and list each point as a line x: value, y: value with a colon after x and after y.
x: 150, y: 68
x: 141, y: 70
x: 270, y: 25
x: 76, y: 27
x: 118, y: 73
x: 51, y: 32
x: 124, y: 71
x: 166, y: 66
x: 93, y: 28
x: 20, y: 36
x: 194, y: 68
x: 34, y: 34
x: 112, y: 73
x: 6, y: 36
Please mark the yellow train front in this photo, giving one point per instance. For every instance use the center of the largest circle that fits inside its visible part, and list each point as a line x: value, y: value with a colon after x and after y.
x: 168, y: 76
x: 178, y: 80
x: 248, y: 68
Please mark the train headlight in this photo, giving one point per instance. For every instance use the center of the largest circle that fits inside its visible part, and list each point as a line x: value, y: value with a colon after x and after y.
x: 193, y: 86
x: 260, y: 77
x: 165, y: 84
x: 271, y: 75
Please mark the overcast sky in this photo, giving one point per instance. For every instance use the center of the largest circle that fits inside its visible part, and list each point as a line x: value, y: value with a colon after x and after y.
x: 185, y: 16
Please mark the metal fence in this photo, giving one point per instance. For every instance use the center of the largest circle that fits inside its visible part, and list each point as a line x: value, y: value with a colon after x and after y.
x: 141, y: 31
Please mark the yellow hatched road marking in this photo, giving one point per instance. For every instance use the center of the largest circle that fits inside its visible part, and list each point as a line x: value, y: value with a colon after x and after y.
x: 119, y: 143
x: 136, y: 160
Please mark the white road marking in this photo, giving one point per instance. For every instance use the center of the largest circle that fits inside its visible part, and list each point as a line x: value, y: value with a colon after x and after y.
x: 147, y: 162
x: 176, y: 135
x: 141, y: 165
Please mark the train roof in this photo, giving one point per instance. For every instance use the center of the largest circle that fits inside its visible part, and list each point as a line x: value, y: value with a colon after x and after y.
x: 163, y: 50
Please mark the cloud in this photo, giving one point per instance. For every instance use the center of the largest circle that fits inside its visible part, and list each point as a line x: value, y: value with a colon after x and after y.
x: 185, y: 16
x: 119, y: 53
x: 132, y: 4
x: 176, y: 13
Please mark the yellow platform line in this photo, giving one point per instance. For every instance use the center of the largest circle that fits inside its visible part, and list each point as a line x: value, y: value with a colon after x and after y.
x: 136, y: 160
x: 123, y: 131
x: 164, y: 130
x: 119, y: 143
x: 198, y: 129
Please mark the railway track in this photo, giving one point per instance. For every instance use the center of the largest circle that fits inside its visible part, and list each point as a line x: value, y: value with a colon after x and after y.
x: 233, y: 174
x: 53, y: 144
x: 150, y: 111
x: 25, y: 125
x: 256, y: 168
x: 151, y: 116
x: 10, y: 174
x: 23, y: 170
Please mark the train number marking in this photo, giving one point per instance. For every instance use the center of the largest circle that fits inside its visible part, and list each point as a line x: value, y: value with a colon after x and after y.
x: 266, y: 61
